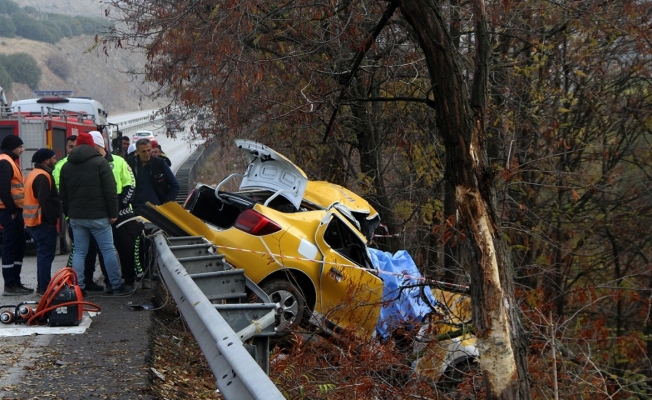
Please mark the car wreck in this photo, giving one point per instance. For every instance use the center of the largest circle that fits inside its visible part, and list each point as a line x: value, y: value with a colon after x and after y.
x: 305, y: 243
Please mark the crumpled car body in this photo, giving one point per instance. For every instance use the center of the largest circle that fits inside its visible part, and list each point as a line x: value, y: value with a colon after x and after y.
x: 303, y: 242
x: 309, y: 254
x: 445, y: 347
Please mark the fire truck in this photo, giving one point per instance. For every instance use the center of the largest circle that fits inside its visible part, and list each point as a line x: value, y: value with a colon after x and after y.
x: 46, y: 121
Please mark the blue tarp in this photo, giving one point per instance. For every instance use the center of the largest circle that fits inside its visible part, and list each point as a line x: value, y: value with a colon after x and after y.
x: 399, y: 306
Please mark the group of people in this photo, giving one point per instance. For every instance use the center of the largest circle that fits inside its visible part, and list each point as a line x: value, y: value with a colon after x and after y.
x: 123, y: 147
x: 97, y: 191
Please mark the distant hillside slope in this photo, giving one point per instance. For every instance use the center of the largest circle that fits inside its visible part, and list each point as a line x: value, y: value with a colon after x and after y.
x: 92, y: 74
x: 93, y: 8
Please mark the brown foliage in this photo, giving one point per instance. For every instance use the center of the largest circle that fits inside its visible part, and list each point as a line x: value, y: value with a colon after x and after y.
x: 568, y: 124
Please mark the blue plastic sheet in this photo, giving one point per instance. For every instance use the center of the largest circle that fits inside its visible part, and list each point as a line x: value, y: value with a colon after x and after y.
x: 399, y: 306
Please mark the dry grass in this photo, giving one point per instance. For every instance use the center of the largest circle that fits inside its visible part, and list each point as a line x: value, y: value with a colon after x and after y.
x: 175, y: 354
x: 313, y: 367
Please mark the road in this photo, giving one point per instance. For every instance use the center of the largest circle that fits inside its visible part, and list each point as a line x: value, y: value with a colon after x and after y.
x: 20, y: 347
x: 178, y: 150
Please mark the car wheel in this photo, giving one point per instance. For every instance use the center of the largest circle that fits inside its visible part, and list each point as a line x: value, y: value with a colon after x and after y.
x: 291, y: 301
x: 463, y: 380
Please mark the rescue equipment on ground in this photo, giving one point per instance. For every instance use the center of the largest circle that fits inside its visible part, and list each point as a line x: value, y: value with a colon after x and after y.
x: 62, y: 304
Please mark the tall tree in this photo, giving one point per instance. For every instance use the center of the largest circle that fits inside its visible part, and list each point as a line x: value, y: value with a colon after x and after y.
x: 352, y: 70
x: 460, y: 115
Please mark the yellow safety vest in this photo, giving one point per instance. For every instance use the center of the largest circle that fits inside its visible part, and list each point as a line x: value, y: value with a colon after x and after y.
x: 32, y: 208
x: 17, y: 188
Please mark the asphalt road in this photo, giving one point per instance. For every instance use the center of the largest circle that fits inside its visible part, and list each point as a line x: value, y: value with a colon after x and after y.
x: 105, y: 357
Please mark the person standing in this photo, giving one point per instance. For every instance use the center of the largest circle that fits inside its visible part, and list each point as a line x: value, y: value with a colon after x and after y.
x: 12, y: 194
x: 90, y: 199
x: 122, y: 146
x: 41, y: 211
x: 89, y: 263
x: 155, y: 181
x: 157, y: 151
x: 126, y: 234
x: 71, y: 141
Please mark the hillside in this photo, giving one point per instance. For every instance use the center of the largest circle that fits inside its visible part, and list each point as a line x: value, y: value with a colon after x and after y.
x: 90, y: 73
x: 93, y: 8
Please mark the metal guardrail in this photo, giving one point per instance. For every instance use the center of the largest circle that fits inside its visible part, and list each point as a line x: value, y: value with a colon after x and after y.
x: 238, y: 374
x: 138, y: 123
x: 187, y: 173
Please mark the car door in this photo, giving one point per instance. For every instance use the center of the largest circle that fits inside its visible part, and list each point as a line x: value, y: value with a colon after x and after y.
x: 351, y: 292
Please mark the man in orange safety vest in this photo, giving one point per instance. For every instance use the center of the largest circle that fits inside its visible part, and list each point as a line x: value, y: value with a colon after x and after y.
x: 41, y: 211
x: 11, y: 215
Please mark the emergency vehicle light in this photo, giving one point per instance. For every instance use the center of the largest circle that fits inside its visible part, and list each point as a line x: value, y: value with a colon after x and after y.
x: 41, y: 93
x: 52, y: 100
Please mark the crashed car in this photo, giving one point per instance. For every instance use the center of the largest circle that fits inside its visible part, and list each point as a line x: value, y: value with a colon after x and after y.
x: 309, y: 254
x: 303, y: 242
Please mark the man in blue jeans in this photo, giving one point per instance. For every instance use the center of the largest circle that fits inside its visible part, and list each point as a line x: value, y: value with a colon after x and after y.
x: 12, y: 193
x: 41, y: 211
x: 90, y: 199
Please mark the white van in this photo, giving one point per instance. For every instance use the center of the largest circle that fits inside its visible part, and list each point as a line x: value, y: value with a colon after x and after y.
x: 54, y: 101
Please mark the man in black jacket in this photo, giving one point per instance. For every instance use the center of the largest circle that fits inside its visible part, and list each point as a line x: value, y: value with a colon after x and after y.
x: 90, y: 199
x: 11, y: 215
x: 155, y: 181
x: 41, y: 211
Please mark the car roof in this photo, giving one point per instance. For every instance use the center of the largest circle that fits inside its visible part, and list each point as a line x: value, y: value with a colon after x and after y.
x: 269, y: 170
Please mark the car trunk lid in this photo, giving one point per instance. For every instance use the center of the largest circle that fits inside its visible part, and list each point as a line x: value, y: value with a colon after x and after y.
x: 269, y: 170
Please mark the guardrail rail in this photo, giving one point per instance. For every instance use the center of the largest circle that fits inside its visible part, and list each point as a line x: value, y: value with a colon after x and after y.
x: 196, y: 278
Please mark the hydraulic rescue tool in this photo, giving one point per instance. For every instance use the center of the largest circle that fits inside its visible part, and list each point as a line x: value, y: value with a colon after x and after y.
x: 62, y: 304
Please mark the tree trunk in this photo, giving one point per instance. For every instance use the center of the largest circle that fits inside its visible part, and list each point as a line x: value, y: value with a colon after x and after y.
x: 460, y: 119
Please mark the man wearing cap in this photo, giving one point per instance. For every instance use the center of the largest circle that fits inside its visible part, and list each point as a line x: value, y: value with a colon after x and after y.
x: 126, y: 234
x: 41, y: 211
x: 89, y: 196
x: 12, y: 194
x: 89, y: 263
x: 157, y: 151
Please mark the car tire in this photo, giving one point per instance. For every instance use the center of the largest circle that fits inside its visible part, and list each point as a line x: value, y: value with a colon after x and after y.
x: 293, y: 304
x: 463, y: 379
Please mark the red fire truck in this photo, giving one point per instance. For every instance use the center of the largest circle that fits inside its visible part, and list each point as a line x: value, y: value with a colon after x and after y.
x: 47, y: 121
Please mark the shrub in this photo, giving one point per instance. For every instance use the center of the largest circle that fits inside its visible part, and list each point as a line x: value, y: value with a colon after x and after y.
x: 5, y: 79
x: 23, y: 68
x: 7, y: 27
x: 59, y: 66
x: 8, y: 7
x: 31, y: 28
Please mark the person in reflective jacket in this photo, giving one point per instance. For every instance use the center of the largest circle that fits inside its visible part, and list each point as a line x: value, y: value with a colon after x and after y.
x: 12, y: 193
x: 41, y: 211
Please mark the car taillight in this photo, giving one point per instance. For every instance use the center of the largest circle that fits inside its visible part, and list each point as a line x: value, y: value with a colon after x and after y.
x: 255, y: 223
x: 185, y: 203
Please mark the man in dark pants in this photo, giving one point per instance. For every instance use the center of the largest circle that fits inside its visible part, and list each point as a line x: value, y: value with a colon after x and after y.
x: 41, y: 211
x: 12, y: 193
x: 155, y: 183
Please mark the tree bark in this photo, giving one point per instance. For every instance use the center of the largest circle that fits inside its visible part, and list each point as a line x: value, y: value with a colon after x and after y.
x: 460, y: 118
